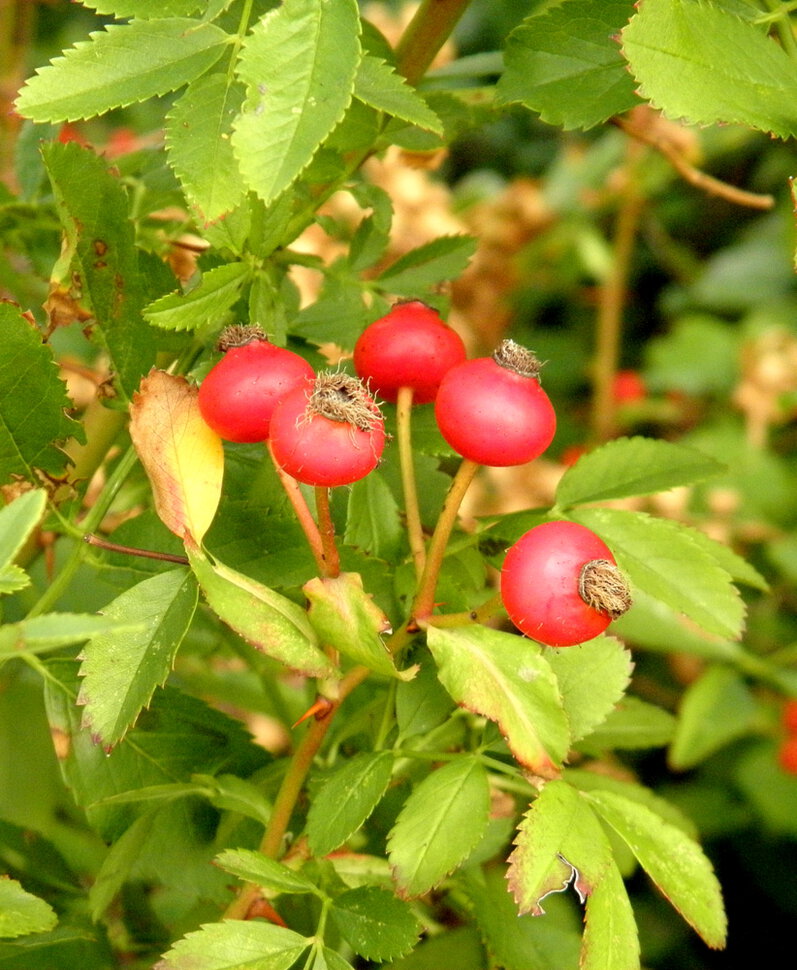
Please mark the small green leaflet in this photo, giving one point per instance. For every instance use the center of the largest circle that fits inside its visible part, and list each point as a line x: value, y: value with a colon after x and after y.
x: 674, y: 862
x: 610, y: 932
x: 236, y: 945
x: 347, y: 799
x: 120, y: 672
x: 375, y: 924
x: 420, y: 269
x: 49, y: 631
x: 506, y: 678
x: 33, y: 402
x: 565, y: 63
x: 592, y: 678
x: 18, y: 519
x: 254, y: 867
x: 206, y: 304
x: 660, y: 557
x: 21, y: 912
x: 678, y: 51
x: 378, y: 85
x: 633, y: 724
x: 124, y: 64
x: 145, y: 9
x: 632, y: 466
x: 440, y: 824
x: 198, y: 129
x: 299, y: 64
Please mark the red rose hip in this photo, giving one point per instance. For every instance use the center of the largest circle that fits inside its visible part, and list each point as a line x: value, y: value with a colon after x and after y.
x: 493, y: 411
x: 560, y: 584
x: 409, y: 347
x: 240, y: 392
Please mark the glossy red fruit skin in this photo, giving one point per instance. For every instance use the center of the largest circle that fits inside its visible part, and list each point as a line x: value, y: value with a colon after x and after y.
x: 316, y: 450
x: 493, y: 415
x: 409, y: 347
x: 539, y: 584
x: 240, y: 392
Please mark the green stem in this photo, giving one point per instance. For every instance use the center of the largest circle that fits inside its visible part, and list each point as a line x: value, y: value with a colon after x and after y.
x: 326, y: 526
x: 480, y: 615
x: 780, y: 14
x: 423, y: 605
x: 95, y: 515
x: 408, y: 483
x: 425, y: 34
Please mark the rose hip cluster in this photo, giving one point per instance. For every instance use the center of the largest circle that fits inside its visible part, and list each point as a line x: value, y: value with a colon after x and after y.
x: 560, y: 584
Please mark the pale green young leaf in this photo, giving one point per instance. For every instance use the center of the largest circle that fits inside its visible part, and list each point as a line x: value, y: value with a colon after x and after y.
x: 21, y: 912
x: 420, y: 269
x: 632, y: 466
x: 699, y: 62
x: 270, y: 622
x: 633, y: 724
x: 375, y: 924
x: 347, y: 799
x: 254, y: 867
x: 674, y: 862
x: 198, y: 130
x: 124, y: 64
x: 120, y: 673
x: 565, y: 63
x: 378, y: 85
x: 739, y: 569
x: 12, y: 578
x: 506, y: 679
x: 610, y: 938
x: 345, y: 617
x: 236, y: 945
x: 716, y: 709
x: 559, y: 843
x: 299, y: 64
x: 49, y: 631
x: 660, y: 557
x: 207, y: 303
x: 441, y: 822
x: 18, y: 519
x: 100, y: 259
x: 592, y: 678
x: 33, y: 402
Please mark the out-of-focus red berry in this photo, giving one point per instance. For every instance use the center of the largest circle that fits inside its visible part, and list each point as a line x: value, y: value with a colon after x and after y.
x: 629, y: 387
x: 787, y: 754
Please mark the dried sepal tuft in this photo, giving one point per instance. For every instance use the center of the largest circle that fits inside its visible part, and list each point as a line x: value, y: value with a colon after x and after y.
x: 520, y: 359
x: 604, y: 588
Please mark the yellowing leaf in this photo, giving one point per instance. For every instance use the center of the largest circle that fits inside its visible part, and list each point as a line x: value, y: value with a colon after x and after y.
x: 182, y: 456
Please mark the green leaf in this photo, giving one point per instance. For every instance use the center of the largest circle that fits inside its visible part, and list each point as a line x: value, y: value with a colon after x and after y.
x: 633, y: 724
x: 299, y: 64
x: 372, y: 236
x: 254, y: 867
x: 737, y: 568
x: 673, y: 861
x: 520, y: 942
x: 121, y: 65
x: 610, y: 933
x: 33, y: 402
x: 373, y: 521
x: 565, y: 64
x: 632, y: 466
x: 345, y: 617
x: 662, y: 558
x: 559, y: 842
x: 100, y: 259
x: 338, y: 316
x: 18, y: 519
x: 145, y: 9
x: 375, y: 924
x: 206, y: 304
x: 49, y: 631
x: 236, y: 945
x: 233, y: 794
x: 699, y: 354
x: 441, y: 822
x: 119, y: 672
x: 347, y: 799
x: 505, y: 678
x: 270, y: 622
x: 21, y: 912
x: 716, y: 709
x: 699, y: 62
x: 422, y: 704
x: 592, y: 678
x: 378, y: 85
x: 420, y: 269
x: 198, y: 130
